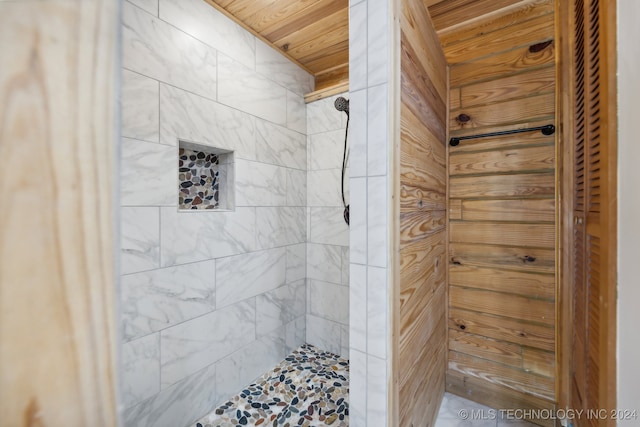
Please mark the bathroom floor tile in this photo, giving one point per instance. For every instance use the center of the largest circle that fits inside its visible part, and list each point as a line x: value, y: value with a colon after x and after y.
x: 309, y: 388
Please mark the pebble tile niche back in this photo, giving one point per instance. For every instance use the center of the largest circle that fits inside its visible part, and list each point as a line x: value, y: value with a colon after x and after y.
x: 205, y: 178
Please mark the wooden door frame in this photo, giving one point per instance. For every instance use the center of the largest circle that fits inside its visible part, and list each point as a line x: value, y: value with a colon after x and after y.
x: 565, y: 95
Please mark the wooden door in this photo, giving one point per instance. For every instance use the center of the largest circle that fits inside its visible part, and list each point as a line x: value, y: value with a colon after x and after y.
x: 57, y: 140
x: 592, y: 202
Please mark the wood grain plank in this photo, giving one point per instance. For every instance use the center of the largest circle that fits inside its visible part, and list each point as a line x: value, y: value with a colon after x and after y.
x: 510, y: 234
x: 502, y: 64
x: 502, y: 186
x: 485, y: 348
x: 500, y: 304
x: 496, y: 20
x: 338, y: 76
x: 496, y: 373
x: 327, y: 31
x: 538, y: 210
x: 454, y: 99
x: 538, y: 81
x: 528, y: 32
x: 453, y: 12
x: 541, y: 158
x: 279, y: 20
x: 503, y: 257
x: 58, y: 113
x: 498, y: 396
x: 502, y: 328
x: 501, y: 113
x: 455, y: 209
x: 539, y: 362
x: 508, y: 281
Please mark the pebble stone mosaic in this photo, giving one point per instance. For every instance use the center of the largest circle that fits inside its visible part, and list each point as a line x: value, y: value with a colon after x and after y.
x: 309, y: 388
x: 198, y: 180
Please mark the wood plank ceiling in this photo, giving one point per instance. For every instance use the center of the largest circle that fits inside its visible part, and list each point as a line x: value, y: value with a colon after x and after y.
x: 315, y: 33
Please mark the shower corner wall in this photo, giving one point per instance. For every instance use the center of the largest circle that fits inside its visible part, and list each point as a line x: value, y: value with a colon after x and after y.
x: 209, y: 300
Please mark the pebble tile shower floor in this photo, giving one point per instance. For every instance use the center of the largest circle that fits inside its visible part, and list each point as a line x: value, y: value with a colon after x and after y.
x: 308, y: 388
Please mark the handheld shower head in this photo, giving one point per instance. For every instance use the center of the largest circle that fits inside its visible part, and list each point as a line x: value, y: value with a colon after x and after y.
x: 342, y: 104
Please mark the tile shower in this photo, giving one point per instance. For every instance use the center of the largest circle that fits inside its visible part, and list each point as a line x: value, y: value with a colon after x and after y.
x: 213, y: 298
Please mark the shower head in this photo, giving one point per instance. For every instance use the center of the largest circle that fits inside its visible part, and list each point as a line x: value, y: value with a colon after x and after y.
x: 342, y: 104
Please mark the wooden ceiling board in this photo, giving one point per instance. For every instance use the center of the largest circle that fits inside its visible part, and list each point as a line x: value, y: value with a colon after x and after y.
x: 315, y: 33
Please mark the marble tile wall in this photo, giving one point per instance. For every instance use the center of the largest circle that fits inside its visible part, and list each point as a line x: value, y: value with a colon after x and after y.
x: 209, y: 300
x: 369, y: 65
x: 327, y: 232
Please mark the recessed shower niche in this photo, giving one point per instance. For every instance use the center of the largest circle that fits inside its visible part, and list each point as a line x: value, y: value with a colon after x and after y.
x: 205, y: 178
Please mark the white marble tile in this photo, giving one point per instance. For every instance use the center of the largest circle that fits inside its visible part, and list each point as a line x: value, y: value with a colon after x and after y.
x: 377, y: 132
x: 275, y: 66
x: 358, y: 134
x: 377, y: 203
x: 240, y: 87
x: 247, y: 364
x: 358, y: 220
x: 296, y: 187
x: 294, y: 334
x: 179, y: 405
x: 140, y: 107
x: 345, y: 265
x: 148, y: 174
x: 150, y: 6
x: 140, y: 369
x: 329, y: 301
x: 280, y: 226
x: 358, y: 308
x: 210, y: 26
x: 280, y: 146
x: 260, y: 184
x: 296, y: 112
x: 156, y: 49
x: 358, y: 46
x: 244, y: 276
x: 198, y: 236
x: 357, y: 389
x: 324, y: 262
x: 296, y: 262
x: 323, y: 334
x: 376, y: 391
x: 344, y: 341
x: 154, y: 300
x: 323, y: 188
x: 322, y: 116
x: 188, y: 117
x: 329, y: 227
x: 192, y: 345
x: 280, y: 306
x: 378, y: 58
x: 377, y: 308
x: 326, y: 150
x: 139, y: 239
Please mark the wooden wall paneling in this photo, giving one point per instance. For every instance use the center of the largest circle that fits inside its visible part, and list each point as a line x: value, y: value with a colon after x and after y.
x: 498, y: 396
x: 453, y: 12
x: 525, y: 259
x: 503, y: 161
x: 502, y: 230
x: 542, y: 80
x: 504, y: 63
x: 502, y: 186
x: 505, y: 17
x: 523, y: 33
x: 518, y: 110
x: 518, y: 331
x: 421, y: 289
x: 534, y: 285
x: 535, y: 210
x: 57, y: 279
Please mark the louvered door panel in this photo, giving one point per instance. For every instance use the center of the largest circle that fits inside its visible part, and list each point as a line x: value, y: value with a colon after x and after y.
x: 592, y: 248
